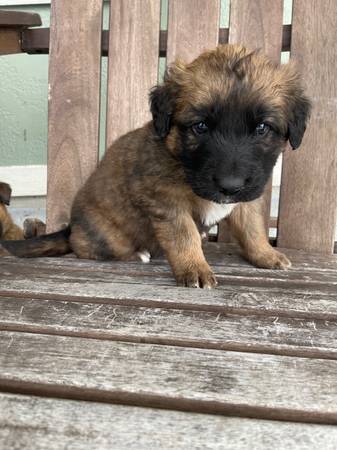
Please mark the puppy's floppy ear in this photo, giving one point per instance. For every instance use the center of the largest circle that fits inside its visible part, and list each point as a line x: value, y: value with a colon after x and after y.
x: 162, y: 107
x: 298, y: 120
x: 5, y: 193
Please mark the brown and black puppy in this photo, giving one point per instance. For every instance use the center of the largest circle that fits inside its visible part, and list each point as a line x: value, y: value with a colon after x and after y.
x: 219, y: 124
x: 8, y: 229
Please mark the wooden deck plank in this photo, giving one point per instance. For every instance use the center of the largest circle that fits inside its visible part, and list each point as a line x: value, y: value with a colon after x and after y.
x: 74, y: 102
x: 159, y: 272
x: 217, y: 253
x: 202, y: 329
x: 40, y: 423
x: 198, y: 380
x: 308, y: 207
x: 253, y: 295
x: 160, y: 268
x: 229, y: 299
x: 133, y: 64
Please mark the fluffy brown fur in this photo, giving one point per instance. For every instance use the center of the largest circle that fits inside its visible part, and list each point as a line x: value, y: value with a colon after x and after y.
x: 158, y: 185
x: 8, y: 229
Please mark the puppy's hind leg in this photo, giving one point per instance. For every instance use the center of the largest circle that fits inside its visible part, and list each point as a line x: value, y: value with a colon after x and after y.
x: 102, y: 240
x: 247, y: 226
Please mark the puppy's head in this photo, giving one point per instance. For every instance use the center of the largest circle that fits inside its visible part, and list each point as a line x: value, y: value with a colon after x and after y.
x: 5, y: 193
x: 227, y: 116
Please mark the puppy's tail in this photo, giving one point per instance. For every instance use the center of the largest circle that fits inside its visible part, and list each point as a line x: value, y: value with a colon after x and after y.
x: 54, y: 244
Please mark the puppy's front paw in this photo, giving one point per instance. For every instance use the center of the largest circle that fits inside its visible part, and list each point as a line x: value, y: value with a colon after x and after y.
x: 269, y: 259
x: 198, y: 276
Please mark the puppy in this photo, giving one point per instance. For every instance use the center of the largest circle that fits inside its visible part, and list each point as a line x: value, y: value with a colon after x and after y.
x: 219, y: 124
x: 8, y: 229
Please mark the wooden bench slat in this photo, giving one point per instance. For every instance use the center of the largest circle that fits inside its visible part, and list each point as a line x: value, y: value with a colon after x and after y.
x: 245, y: 274
x: 256, y: 25
x: 74, y: 78
x: 220, y: 254
x: 193, y: 26
x: 133, y: 64
x: 307, y: 293
x: 40, y: 423
x: 258, y: 334
x: 199, y: 380
x: 308, y: 207
x: 19, y: 19
x: 37, y: 41
x: 236, y: 299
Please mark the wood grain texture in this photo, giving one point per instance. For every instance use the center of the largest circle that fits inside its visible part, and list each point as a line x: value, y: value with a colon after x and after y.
x: 193, y: 26
x: 185, y: 328
x: 256, y: 25
x: 273, y: 301
x: 133, y: 63
x: 154, y: 375
x: 304, y: 291
x: 301, y: 276
x: 74, y: 92
x: 309, y: 183
x: 40, y: 423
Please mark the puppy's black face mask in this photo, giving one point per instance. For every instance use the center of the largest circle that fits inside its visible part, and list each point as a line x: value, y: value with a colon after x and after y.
x: 229, y: 147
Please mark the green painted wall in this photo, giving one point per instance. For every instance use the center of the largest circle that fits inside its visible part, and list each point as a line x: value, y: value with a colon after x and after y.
x: 23, y: 104
x: 23, y: 95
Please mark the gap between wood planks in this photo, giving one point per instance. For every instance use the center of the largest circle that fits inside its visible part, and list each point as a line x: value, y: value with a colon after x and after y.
x: 156, y: 401
x: 174, y: 327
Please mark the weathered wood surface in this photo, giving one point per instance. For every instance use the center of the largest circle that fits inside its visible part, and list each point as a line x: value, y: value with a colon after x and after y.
x: 193, y: 26
x: 218, y: 253
x: 302, y: 278
x: 19, y: 19
x: 203, y: 329
x: 200, y: 380
x: 74, y: 78
x: 256, y: 25
x: 308, y: 205
x: 238, y: 300
x: 40, y: 423
x: 305, y: 291
x: 118, y: 332
x: 133, y: 64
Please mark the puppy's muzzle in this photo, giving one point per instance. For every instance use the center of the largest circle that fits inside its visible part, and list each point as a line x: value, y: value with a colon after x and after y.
x: 229, y: 185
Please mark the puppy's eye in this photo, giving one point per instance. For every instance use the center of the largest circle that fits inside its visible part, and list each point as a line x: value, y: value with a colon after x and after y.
x: 262, y: 129
x: 200, y: 128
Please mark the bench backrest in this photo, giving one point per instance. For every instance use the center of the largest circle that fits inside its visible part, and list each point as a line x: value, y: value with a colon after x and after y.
x: 308, y: 205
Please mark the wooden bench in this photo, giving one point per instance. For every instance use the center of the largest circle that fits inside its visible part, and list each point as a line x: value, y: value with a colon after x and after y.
x: 167, y: 361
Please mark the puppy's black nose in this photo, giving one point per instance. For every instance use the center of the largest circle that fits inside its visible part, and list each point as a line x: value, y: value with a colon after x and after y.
x: 230, y: 185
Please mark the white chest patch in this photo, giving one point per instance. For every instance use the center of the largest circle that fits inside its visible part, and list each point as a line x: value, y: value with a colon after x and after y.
x: 211, y: 213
